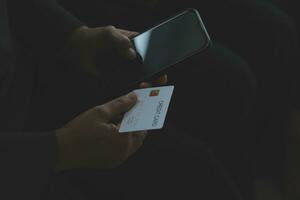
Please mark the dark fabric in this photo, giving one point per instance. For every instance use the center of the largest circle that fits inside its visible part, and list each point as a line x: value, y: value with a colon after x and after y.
x: 216, y: 108
x: 5, y: 49
x: 214, y: 92
x: 27, y: 163
x: 37, y: 152
x: 261, y: 34
x: 169, y: 166
x: 41, y: 24
x: 27, y: 158
x: 219, y: 123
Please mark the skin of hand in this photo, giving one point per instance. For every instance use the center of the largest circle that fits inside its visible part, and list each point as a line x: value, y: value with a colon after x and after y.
x: 85, y: 43
x: 92, y: 140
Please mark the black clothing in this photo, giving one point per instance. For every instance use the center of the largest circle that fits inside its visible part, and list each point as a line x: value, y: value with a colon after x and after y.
x: 219, y: 73
x: 213, y: 91
x: 263, y: 37
x: 27, y: 158
x: 201, y: 167
x: 168, y: 166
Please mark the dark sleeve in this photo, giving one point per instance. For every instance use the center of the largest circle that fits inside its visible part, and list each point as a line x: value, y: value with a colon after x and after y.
x: 27, y: 163
x: 41, y: 24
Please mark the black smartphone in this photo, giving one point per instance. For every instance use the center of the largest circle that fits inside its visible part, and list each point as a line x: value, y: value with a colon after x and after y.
x: 173, y: 40
x: 161, y: 47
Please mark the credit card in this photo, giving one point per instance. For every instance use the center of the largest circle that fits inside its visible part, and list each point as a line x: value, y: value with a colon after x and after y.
x: 150, y: 111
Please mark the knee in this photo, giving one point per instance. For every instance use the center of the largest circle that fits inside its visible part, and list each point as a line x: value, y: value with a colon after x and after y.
x: 223, y: 87
x: 235, y: 78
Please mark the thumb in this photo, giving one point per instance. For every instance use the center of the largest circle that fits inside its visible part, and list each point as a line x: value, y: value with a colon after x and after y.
x: 119, y: 106
x: 129, y: 34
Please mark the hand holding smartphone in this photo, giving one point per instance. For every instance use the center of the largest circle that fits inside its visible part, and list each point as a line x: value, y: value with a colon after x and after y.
x: 170, y: 42
x: 160, y: 48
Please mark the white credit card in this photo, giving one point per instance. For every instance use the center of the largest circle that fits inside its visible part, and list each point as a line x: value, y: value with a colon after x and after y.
x: 150, y: 111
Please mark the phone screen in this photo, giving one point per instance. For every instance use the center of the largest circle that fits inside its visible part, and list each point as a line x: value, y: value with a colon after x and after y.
x: 170, y: 42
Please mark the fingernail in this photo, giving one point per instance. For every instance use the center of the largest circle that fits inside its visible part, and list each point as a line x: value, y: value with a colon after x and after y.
x: 131, y: 95
x: 131, y: 53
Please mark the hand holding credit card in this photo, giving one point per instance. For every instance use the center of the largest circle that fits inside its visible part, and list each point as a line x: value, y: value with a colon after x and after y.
x: 150, y: 111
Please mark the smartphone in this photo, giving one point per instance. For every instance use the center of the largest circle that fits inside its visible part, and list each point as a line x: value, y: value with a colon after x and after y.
x: 170, y: 42
x: 161, y: 47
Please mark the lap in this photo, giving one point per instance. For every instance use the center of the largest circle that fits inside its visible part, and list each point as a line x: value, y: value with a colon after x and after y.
x: 169, y: 165
x: 219, y: 79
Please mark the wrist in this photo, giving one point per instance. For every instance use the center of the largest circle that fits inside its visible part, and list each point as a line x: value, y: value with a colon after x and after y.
x: 75, y: 42
x: 77, y: 36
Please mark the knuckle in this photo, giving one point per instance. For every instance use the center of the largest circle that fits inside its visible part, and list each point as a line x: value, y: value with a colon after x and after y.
x: 100, y: 110
x: 125, y: 42
x: 112, y: 128
x: 124, y: 39
x: 121, y: 101
x: 109, y: 29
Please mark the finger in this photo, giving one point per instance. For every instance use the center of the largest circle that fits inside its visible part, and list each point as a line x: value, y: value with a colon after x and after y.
x: 145, y: 85
x: 122, y: 44
x: 119, y: 106
x: 129, y: 34
x: 117, y: 120
x: 161, y: 80
x: 123, y: 142
x: 136, y: 142
x: 139, y: 135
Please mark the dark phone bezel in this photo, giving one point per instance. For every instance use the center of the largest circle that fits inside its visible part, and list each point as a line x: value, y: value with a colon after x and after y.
x: 167, y: 68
